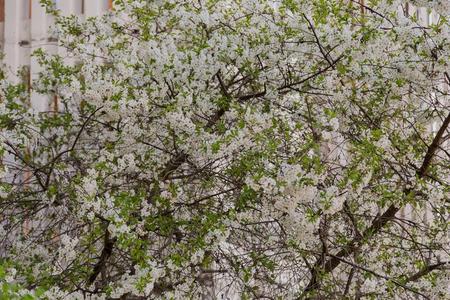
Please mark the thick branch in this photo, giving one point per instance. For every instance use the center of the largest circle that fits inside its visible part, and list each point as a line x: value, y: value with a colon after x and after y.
x: 106, y: 253
x: 428, y: 269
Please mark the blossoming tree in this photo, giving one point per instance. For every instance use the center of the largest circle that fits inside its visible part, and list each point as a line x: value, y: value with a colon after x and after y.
x: 242, y: 149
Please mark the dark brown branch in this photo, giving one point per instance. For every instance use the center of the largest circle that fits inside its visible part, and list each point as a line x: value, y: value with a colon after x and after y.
x: 106, y: 253
x: 428, y: 269
x: 433, y: 147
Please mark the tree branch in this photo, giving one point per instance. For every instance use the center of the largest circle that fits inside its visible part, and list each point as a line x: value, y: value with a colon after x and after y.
x: 428, y: 269
x: 108, y: 245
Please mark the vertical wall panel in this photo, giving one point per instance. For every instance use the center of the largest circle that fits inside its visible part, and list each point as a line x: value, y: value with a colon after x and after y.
x: 435, y: 18
x: 69, y: 7
x: 95, y: 8
x: 430, y: 19
x: 40, y: 25
x: 422, y: 16
x: 2, y: 23
x: 40, y: 22
x: 17, y: 36
x: 17, y: 54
